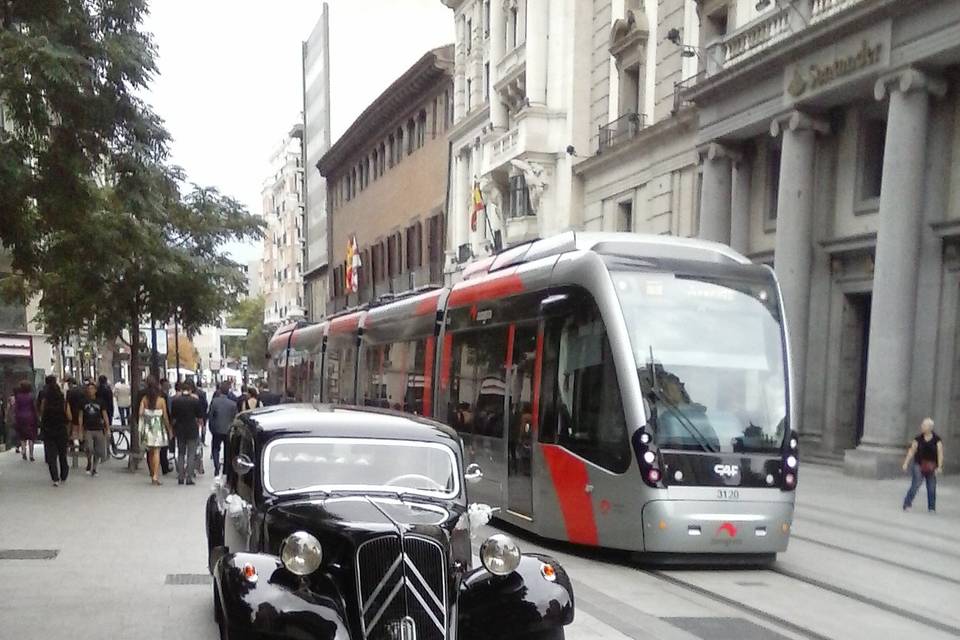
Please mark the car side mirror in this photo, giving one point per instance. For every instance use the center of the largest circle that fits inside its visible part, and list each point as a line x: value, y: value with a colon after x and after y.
x: 473, y: 474
x: 242, y: 465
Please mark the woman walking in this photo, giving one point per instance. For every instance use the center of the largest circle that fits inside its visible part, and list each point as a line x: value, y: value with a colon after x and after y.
x: 25, y: 418
x: 926, y: 454
x: 54, y: 417
x: 251, y: 399
x: 155, y: 429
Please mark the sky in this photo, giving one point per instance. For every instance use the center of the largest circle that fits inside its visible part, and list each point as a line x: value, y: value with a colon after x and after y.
x: 230, y: 81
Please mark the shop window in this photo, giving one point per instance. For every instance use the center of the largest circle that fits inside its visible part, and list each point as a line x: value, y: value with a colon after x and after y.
x: 582, y: 407
x: 873, y: 137
x: 477, y: 382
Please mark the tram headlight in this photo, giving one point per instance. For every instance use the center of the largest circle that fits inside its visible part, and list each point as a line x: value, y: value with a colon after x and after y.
x: 500, y: 555
x: 791, y: 462
x: 301, y: 553
x: 649, y: 457
x: 793, y: 444
x: 645, y: 438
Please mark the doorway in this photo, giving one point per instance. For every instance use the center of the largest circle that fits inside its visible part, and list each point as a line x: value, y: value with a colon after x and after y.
x: 520, y: 436
x: 853, y: 369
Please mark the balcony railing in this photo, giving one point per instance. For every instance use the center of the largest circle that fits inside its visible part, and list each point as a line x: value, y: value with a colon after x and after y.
x: 620, y: 130
x: 823, y: 9
x: 756, y: 36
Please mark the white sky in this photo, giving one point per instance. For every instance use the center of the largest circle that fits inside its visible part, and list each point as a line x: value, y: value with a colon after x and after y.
x: 230, y: 83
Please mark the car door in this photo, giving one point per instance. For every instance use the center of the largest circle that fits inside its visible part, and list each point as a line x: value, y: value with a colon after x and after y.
x: 239, y: 503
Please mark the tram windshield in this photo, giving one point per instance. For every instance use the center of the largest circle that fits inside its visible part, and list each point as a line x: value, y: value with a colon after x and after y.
x: 709, y: 352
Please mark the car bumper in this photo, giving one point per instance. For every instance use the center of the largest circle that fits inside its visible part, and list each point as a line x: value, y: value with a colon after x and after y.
x: 716, y: 527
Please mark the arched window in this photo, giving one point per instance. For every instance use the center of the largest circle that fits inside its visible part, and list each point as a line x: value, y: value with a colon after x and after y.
x: 399, y: 144
x: 411, y: 135
x: 366, y: 171
x: 383, y: 158
x: 391, y: 145
x: 376, y: 164
x: 421, y: 128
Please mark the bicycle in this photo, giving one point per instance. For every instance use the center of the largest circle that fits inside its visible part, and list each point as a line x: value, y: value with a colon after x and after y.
x: 119, y: 442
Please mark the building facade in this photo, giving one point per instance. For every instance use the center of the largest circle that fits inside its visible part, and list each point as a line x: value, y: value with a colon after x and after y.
x: 387, y: 184
x: 521, y: 104
x: 829, y: 133
x: 641, y: 173
x: 316, y: 142
x: 281, y: 262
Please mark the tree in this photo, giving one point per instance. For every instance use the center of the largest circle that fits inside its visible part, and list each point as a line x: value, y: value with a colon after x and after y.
x: 248, y: 314
x: 70, y: 72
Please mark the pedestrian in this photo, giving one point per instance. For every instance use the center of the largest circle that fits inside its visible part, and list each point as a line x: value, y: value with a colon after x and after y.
x: 25, y: 418
x: 105, y: 397
x: 54, y: 417
x: 155, y: 429
x: 251, y: 400
x: 204, y: 408
x: 186, y: 415
x: 222, y: 412
x: 121, y: 397
x: 926, y: 455
x: 96, y: 429
x: 167, y: 391
x: 75, y: 399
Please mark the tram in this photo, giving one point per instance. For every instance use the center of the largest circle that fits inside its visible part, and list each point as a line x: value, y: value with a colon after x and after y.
x: 617, y: 390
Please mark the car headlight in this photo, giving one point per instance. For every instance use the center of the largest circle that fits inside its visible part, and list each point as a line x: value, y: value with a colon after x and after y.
x: 301, y: 553
x: 500, y: 555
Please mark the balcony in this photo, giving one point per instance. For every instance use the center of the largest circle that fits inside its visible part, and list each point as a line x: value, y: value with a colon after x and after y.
x: 754, y: 37
x: 505, y: 146
x: 512, y: 63
x: 823, y: 9
x: 620, y: 130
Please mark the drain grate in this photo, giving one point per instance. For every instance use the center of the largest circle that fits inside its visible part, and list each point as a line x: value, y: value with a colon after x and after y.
x: 28, y: 554
x: 725, y: 629
x: 181, y: 579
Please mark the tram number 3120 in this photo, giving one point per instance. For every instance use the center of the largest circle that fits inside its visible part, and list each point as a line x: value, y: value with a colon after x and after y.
x: 728, y: 494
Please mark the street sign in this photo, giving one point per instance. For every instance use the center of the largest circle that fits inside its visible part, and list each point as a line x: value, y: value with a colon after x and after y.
x: 237, y: 333
x: 244, y: 360
x: 68, y: 352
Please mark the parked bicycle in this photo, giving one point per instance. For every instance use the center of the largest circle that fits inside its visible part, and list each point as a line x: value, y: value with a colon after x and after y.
x: 119, y: 442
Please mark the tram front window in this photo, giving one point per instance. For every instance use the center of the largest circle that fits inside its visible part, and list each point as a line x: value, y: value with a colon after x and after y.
x: 709, y: 353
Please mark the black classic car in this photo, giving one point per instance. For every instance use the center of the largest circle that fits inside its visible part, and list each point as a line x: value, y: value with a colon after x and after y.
x: 336, y: 523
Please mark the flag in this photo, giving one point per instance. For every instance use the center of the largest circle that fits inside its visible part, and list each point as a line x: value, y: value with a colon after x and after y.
x: 352, y: 279
x: 478, y: 205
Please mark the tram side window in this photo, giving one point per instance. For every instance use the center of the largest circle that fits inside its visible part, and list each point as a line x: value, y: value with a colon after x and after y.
x: 339, y: 374
x: 477, y: 388
x: 582, y: 404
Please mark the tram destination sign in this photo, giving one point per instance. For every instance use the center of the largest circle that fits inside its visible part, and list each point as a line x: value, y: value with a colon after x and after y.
x: 849, y: 59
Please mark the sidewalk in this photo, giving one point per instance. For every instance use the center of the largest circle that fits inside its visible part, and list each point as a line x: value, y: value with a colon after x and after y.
x: 117, y: 538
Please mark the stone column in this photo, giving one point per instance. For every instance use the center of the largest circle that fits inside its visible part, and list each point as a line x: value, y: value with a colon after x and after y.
x: 715, y: 194
x: 892, y: 317
x: 498, y: 44
x: 793, y: 251
x: 538, y: 15
x: 740, y: 206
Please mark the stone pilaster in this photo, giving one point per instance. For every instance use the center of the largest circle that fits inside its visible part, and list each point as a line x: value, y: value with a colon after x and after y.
x: 892, y: 323
x: 498, y: 111
x: 793, y: 253
x: 715, y: 194
x: 740, y: 206
x: 538, y: 22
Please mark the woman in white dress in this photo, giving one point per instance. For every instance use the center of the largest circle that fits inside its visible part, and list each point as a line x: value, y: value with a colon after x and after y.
x: 155, y: 429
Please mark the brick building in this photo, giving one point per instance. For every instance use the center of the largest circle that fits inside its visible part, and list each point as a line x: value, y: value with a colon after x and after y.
x: 387, y: 183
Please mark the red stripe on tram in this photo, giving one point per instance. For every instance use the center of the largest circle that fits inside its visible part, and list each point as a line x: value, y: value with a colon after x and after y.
x: 537, y: 373
x: 428, y: 365
x: 490, y: 288
x: 570, y: 479
x: 511, y: 335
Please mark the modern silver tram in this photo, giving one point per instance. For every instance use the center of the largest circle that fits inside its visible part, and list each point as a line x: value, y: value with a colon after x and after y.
x: 618, y: 390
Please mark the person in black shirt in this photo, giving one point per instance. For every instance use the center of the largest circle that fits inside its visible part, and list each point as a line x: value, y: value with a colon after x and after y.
x: 926, y: 454
x: 105, y: 397
x: 186, y: 414
x: 55, y: 415
x: 74, y: 396
x: 96, y: 427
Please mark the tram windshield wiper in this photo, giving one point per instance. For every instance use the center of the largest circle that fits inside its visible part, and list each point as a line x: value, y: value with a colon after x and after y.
x: 682, y: 417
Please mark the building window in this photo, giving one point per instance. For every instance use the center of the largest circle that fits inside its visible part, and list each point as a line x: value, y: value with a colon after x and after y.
x: 625, y: 216
x: 399, y: 148
x: 469, y: 96
x: 873, y: 137
x: 468, y: 36
x: 421, y: 128
x: 773, y: 183
x: 391, y: 144
x: 383, y: 158
x: 414, y: 246
x: 486, y: 81
x: 435, y: 107
x: 366, y: 171
x: 519, y: 197
x: 411, y: 136
x: 447, y: 110
x: 376, y: 164
x: 486, y: 18
x: 513, y: 26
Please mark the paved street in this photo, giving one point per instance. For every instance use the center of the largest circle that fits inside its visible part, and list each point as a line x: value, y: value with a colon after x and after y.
x: 857, y: 567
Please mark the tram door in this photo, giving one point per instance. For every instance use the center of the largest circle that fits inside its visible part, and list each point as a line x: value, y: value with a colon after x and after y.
x: 520, y: 435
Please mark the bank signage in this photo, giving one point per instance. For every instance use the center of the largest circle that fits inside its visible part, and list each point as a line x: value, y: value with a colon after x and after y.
x: 847, y: 60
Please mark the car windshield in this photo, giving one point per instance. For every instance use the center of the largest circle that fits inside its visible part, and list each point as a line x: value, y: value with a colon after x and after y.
x: 709, y: 353
x: 360, y: 465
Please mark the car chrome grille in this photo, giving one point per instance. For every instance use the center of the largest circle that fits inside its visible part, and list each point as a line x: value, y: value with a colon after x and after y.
x: 398, y: 584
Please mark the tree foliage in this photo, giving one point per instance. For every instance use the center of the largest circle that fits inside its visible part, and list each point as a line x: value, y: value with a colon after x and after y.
x: 248, y: 314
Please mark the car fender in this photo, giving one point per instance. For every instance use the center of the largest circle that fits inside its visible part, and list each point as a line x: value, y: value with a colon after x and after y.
x: 515, y: 605
x: 274, y: 603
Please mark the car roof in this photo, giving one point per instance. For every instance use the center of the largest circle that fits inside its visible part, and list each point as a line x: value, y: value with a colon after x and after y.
x: 332, y: 421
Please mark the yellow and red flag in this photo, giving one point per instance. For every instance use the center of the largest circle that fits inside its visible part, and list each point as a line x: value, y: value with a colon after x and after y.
x: 478, y: 205
x: 352, y: 284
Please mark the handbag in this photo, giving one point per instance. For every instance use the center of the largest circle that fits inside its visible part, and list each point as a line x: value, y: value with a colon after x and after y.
x: 928, y: 467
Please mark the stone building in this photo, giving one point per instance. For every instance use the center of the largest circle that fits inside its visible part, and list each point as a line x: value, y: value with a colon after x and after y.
x: 316, y: 142
x: 641, y: 169
x: 387, y: 185
x: 281, y: 264
x: 830, y: 141
x: 521, y: 104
